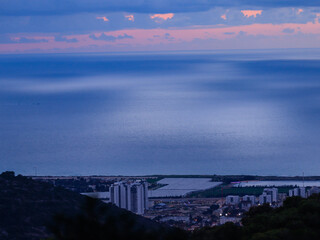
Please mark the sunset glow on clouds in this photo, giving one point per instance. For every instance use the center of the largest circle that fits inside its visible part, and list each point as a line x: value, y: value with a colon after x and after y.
x: 165, y: 16
x: 105, y: 19
x: 250, y: 13
x: 224, y: 16
x: 130, y: 18
x: 153, y: 37
x: 207, y: 28
x: 299, y: 11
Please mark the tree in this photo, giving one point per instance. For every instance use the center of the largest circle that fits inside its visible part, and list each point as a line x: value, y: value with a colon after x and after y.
x: 98, y: 223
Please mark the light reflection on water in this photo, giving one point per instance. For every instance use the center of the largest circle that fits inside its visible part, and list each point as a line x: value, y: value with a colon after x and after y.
x: 181, y: 114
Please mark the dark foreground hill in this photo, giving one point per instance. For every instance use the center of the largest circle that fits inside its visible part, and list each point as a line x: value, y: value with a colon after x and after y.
x: 297, y: 219
x: 36, y: 210
x: 27, y: 207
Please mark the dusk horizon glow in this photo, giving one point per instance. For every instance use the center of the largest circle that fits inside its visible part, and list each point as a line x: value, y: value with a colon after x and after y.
x: 125, y: 27
x: 183, y: 119
x: 160, y: 87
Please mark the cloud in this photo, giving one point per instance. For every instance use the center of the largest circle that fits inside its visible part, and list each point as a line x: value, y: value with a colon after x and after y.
x: 87, y: 22
x: 105, y: 19
x: 257, y: 35
x: 110, y: 38
x: 31, y: 40
x: 299, y: 11
x: 162, y: 17
x: 242, y: 33
x: 224, y: 16
x: 63, y: 7
x: 4, y: 39
x: 168, y: 37
x: 64, y: 39
x: 124, y: 36
x: 130, y: 18
x: 229, y: 33
x: 288, y: 30
x: 251, y: 13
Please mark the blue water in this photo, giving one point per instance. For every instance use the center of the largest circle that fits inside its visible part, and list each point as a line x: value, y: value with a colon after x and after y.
x: 171, y: 113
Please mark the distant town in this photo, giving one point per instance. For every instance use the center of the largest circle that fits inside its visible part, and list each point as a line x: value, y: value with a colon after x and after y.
x: 190, y: 202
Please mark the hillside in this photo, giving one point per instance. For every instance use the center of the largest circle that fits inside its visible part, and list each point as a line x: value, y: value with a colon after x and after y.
x: 297, y: 219
x: 28, y: 207
x: 36, y: 210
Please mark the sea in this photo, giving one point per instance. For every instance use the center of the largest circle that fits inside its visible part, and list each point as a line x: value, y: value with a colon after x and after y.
x: 251, y: 112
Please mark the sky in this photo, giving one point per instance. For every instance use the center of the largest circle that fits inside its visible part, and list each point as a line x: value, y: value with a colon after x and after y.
x: 62, y: 26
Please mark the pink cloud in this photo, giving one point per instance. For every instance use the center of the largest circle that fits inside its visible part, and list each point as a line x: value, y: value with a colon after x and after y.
x: 299, y: 11
x: 165, y: 16
x: 141, y: 36
x: 130, y: 18
x: 180, y: 38
x: 250, y: 13
x: 105, y: 19
x: 224, y: 17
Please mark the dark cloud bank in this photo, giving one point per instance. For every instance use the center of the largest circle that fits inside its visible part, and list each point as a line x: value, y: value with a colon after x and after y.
x: 4, y: 39
x: 60, y: 7
x: 110, y: 38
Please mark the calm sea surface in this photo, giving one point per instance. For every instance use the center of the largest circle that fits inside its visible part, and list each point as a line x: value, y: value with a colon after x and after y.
x: 183, y: 113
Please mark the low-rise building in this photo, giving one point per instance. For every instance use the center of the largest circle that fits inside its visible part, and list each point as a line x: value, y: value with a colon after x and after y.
x: 225, y: 219
x: 249, y: 198
x: 246, y: 205
x: 313, y: 190
x: 232, y: 200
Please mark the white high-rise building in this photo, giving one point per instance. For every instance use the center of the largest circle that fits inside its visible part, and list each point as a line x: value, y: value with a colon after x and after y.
x: 146, y: 196
x: 269, y: 195
x: 128, y: 203
x: 265, y: 198
x: 298, y: 192
x: 115, y: 194
x: 130, y: 196
x: 273, y: 192
x: 123, y: 196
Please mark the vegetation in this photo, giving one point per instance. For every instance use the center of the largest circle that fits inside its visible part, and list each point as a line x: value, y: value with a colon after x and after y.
x: 154, y: 180
x: 215, y: 178
x: 298, y: 219
x: 97, y: 222
x: 234, y: 178
x: 227, y: 190
x: 81, y: 184
x: 27, y: 207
